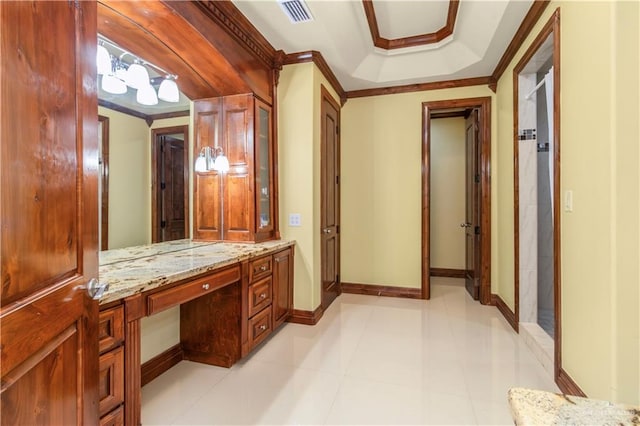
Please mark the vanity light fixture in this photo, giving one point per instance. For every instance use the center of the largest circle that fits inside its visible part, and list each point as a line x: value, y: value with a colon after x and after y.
x: 211, y: 159
x: 117, y: 75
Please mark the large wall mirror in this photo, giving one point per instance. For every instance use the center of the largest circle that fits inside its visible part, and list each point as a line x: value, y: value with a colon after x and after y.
x: 144, y: 152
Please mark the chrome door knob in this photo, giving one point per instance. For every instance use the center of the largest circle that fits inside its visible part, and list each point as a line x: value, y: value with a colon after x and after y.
x: 465, y: 225
x: 326, y: 230
x: 96, y: 289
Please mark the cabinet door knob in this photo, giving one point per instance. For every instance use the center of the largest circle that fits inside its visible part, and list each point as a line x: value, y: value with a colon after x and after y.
x: 205, y: 286
x: 263, y: 295
x: 263, y: 268
x: 263, y: 327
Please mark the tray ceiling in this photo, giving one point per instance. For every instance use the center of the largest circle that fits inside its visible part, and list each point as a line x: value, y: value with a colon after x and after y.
x: 341, y: 32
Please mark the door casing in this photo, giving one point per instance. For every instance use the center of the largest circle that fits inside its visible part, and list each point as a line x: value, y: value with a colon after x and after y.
x: 331, y: 288
x: 156, y: 209
x: 484, y: 107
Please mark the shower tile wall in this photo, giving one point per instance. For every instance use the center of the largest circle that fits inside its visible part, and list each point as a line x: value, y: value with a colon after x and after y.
x: 545, y: 221
x: 528, y: 199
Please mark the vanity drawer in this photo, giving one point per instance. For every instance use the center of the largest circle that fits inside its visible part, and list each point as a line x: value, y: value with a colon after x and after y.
x: 111, y: 380
x: 259, y: 296
x: 110, y: 328
x: 260, y: 327
x: 190, y: 290
x: 260, y: 267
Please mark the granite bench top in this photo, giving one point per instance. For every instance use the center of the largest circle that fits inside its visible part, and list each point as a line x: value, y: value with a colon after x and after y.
x: 536, y: 407
x: 132, y: 270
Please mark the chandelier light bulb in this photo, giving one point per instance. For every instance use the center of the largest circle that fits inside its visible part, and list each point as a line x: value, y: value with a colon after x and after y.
x: 147, y: 95
x: 103, y: 60
x: 137, y: 76
x: 168, y: 91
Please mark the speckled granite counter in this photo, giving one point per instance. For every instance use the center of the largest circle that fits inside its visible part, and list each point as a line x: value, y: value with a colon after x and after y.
x: 136, y: 269
x: 535, y: 407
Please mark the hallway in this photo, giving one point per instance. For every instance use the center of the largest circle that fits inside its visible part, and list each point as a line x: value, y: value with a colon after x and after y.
x: 370, y: 360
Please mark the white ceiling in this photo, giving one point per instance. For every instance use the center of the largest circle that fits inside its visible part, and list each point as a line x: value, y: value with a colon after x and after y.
x: 483, y: 30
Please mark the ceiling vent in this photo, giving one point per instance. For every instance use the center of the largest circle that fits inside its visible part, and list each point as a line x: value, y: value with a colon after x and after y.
x: 296, y: 10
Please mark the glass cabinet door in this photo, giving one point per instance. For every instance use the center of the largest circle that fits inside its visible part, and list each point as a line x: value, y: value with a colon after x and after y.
x: 263, y: 167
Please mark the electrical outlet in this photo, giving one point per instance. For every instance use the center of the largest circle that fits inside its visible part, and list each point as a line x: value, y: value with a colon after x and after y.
x: 294, y: 219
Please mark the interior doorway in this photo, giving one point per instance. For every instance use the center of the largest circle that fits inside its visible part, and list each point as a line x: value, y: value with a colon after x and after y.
x: 537, y: 196
x: 330, y: 198
x: 170, y: 183
x: 478, y: 218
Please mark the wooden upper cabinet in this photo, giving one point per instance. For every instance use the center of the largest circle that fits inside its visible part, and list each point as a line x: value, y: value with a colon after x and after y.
x: 207, y: 186
x: 238, y: 205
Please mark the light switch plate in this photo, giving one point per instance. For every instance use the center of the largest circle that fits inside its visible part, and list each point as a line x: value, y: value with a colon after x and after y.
x: 568, y: 201
x: 294, y: 219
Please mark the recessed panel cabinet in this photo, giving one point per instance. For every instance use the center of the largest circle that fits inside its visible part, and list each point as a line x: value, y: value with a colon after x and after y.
x: 238, y: 205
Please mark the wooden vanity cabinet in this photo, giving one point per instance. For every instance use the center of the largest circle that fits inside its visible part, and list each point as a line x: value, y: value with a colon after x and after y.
x: 282, y: 286
x: 111, y: 371
x: 269, y: 296
x: 238, y: 205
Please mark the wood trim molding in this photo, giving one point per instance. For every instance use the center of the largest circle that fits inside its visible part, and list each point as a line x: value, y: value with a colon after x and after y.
x: 317, y: 58
x: 125, y: 110
x: 416, y: 40
x: 227, y: 15
x: 306, y: 317
x: 529, y: 21
x: 172, y: 114
x: 506, y: 312
x: 448, y: 273
x: 381, y: 290
x: 451, y: 114
x: 148, y: 118
x: 484, y: 104
x: 160, y: 363
x: 420, y: 87
x: 567, y: 385
x: 104, y: 184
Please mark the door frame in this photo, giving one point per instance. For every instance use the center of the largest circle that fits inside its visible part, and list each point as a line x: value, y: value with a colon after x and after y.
x: 325, y: 95
x: 484, y: 106
x: 155, y: 178
x: 550, y: 29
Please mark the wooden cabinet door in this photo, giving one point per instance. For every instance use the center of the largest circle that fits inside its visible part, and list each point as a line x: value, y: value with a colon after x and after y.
x: 282, y: 286
x: 207, y: 187
x: 264, y: 202
x: 49, y: 202
x: 238, y: 186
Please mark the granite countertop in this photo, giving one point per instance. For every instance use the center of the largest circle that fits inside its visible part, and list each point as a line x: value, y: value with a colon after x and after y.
x: 536, y: 407
x: 136, y: 269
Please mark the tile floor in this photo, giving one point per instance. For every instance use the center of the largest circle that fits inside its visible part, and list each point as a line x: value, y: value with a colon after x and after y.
x: 370, y: 360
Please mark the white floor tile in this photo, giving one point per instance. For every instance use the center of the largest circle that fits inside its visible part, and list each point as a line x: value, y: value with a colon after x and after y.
x: 370, y: 360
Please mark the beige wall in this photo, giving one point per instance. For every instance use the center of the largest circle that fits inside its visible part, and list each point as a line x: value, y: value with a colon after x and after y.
x: 447, y: 193
x: 299, y: 100
x: 382, y: 186
x: 599, y: 163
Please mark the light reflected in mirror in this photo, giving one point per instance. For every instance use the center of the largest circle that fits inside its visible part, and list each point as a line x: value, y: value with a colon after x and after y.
x: 144, y: 168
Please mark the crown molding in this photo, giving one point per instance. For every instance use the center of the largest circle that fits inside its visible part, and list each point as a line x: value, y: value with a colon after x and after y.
x: 420, y: 87
x: 317, y: 58
x: 148, y: 118
x: 417, y: 40
x: 529, y: 21
x: 229, y: 17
